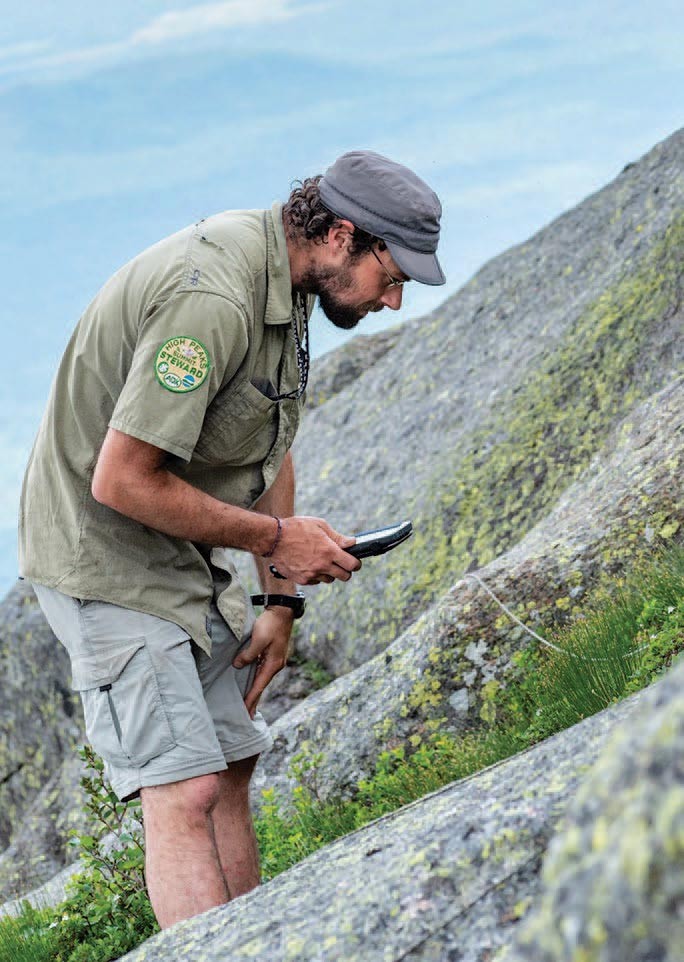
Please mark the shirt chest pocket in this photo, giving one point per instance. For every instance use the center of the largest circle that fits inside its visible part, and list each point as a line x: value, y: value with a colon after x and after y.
x: 239, y: 428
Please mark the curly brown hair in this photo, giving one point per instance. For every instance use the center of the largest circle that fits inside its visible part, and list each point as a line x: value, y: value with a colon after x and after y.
x: 307, y: 218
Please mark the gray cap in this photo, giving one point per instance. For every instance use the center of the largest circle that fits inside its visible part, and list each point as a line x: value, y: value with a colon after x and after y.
x: 390, y: 202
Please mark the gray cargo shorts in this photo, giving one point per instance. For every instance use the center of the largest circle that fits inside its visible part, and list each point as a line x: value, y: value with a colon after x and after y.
x: 157, y: 708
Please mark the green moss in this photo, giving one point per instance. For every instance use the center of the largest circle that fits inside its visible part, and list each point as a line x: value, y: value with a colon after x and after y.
x: 489, y: 692
x: 554, y: 424
x: 316, y: 675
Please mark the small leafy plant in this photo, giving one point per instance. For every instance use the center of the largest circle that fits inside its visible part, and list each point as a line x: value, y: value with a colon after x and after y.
x: 108, y: 911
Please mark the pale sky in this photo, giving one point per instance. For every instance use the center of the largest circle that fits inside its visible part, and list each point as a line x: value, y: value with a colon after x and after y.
x: 120, y: 124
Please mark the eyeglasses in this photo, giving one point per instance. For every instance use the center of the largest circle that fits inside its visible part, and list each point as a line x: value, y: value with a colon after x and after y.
x: 393, y: 282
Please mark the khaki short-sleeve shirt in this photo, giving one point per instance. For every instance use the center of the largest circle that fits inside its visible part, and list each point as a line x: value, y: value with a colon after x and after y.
x: 184, y: 348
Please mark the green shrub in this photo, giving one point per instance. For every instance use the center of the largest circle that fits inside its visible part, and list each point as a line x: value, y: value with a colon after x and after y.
x: 107, y: 912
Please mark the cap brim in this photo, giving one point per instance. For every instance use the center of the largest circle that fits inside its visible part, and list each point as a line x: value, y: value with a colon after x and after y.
x: 419, y: 266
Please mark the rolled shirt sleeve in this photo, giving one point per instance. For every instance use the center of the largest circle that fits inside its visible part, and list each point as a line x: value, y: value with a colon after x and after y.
x: 186, y: 350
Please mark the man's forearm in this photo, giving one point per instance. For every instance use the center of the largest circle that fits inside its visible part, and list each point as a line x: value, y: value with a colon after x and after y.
x: 279, y: 502
x: 169, y: 504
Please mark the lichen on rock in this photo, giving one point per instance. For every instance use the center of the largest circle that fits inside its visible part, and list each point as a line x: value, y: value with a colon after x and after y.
x: 447, y: 877
x: 613, y: 883
x: 484, y: 412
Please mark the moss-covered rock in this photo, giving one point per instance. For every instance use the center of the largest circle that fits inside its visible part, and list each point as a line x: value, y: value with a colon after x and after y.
x: 484, y: 412
x: 447, y: 669
x: 39, y: 845
x: 613, y: 879
x: 338, y: 368
x: 39, y: 726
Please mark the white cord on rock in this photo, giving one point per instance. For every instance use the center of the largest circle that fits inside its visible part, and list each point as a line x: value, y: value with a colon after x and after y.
x: 543, y: 641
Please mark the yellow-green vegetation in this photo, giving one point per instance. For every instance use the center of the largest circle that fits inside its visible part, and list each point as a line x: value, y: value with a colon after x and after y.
x: 517, y: 465
x: 315, y: 674
x: 621, y: 644
x: 30, y: 937
x: 614, y: 650
x: 107, y: 912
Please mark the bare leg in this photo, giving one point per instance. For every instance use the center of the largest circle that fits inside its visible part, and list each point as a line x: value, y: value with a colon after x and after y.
x: 182, y: 867
x: 235, y: 838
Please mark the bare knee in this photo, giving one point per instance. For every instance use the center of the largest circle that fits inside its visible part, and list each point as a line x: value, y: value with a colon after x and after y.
x: 236, y: 779
x: 190, y: 801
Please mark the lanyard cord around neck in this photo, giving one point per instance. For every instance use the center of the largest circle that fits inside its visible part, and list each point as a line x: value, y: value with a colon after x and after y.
x: 303, y: 358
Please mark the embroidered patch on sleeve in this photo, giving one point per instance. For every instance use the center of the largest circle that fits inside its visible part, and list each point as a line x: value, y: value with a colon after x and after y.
x: 182, y: 364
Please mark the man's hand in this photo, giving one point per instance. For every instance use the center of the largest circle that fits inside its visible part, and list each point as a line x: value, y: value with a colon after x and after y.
x: 268, y: 646
x: 310, y: 551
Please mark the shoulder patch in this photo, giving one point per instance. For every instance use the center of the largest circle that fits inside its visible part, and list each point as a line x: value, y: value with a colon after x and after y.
x: 182, y: 364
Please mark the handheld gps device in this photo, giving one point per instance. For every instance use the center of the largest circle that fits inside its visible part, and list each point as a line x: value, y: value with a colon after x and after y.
x: 369, y: 543
x: 381, y: 540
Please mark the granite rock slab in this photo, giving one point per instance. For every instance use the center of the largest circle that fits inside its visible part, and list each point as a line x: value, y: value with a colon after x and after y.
x: 612, y: 886
x: 451, y: 873
x: 440, y: 671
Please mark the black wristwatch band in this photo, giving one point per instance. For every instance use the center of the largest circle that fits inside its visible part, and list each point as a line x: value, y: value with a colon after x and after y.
x: 295, y: 602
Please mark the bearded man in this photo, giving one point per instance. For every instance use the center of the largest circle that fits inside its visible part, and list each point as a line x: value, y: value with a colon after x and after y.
x: 165, y: 441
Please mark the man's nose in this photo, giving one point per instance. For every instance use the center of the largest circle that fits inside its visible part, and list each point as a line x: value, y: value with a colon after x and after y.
x: 392, y: 297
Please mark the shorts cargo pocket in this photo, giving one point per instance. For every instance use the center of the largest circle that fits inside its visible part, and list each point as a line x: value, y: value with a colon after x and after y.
x: 124, y: 714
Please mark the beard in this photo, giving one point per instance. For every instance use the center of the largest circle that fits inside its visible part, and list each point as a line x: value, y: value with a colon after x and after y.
x: 328, y: 284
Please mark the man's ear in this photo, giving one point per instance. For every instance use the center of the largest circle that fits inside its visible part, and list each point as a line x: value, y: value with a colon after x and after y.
x: 340, y: 236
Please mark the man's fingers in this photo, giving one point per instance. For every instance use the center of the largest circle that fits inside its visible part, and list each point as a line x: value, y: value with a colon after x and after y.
x: 347, y: 563
x: 343, y: 563
x: 343, y: 542
x: 344, y: 573
x: 252, y: 698
x: 310, y: 552
x: 340, y: 574
x: 265, y: 673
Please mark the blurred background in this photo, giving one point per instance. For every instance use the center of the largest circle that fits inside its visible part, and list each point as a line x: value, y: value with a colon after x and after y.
x: 119, y: 125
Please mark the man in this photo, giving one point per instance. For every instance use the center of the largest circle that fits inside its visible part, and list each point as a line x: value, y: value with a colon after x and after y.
x: 166, y: 439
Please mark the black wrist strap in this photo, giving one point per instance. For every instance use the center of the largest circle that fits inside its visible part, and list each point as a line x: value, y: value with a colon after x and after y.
x: 296, y: 602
